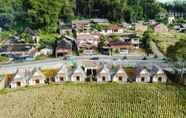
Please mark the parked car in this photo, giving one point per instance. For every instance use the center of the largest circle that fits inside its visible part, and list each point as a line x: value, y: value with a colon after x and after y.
x: 94, y: 58
x: 66, y: 58
x: 125, y: 57
x: 144, y: 58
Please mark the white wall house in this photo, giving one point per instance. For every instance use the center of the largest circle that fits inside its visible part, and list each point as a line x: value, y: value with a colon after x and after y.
x: 21, y: 78
x: 37, y: 78
x: 112, y: 29
x: 78, y: 75
x: 142, y: 75
x: 104, y: 75
x: 158, y: 75
x: 62, y: 75
x: 120, y: 75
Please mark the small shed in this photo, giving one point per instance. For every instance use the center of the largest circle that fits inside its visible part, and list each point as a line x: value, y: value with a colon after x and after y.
x: 37, y: 77
x: 142, y: 75
x: 120, y: 75
x: 78, y: 75
x: 158, y: 75
x: 63, y: 74
x: 104, y: 75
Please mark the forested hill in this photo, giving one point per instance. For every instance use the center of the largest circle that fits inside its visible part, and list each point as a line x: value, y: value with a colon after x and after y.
x: 45, y: 14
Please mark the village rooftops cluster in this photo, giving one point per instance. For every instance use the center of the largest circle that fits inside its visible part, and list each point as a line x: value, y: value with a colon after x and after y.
x: 100, y: 73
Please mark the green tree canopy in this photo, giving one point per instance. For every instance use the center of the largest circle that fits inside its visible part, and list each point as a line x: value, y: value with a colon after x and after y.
x: 177, y: 52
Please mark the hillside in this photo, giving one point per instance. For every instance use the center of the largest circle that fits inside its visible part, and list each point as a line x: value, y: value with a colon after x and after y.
x: 94, y: 100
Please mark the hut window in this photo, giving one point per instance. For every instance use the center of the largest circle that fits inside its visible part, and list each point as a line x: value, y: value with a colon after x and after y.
x: 103, y: 78
x: 61, y: 79
x: 160, y: 79
x: 120, y: 78
x: 37, y: 81
x: 142, y: 79
x: 18, y: 84
x: 77, y: 78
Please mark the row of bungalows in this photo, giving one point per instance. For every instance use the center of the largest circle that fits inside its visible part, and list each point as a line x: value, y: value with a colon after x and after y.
x: 106, y: 74
x: 156, y: 74
x: 32, y: 77
x: 25, y: 77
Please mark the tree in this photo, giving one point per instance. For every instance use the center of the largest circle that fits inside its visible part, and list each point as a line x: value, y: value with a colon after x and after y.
x: 177, y: 52
x: 48, y: 40
x: 147, y: 38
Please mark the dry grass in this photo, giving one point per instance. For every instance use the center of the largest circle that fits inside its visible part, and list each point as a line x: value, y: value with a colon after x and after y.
x: 164, y: 40
x: 95, y: 101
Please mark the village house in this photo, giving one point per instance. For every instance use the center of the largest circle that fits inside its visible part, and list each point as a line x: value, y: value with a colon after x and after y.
x: 37, y: 77
x: 64, y: 47
x: 158, y: 75
x: 112, y: 29
x: 81, y: 25
x: 142, y: 75
x: 16, y: 48
x: 125, y: 43
x: 120, y: 75
x: 104, y: 75
x: 87, y: 43
x: 78, y: 75
x: 21, y: 78
x: 63, y: 74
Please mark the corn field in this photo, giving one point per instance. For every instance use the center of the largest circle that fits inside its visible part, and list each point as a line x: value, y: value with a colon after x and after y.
x: 93, y: 100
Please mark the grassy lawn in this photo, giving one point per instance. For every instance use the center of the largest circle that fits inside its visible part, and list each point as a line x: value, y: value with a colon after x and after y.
x: 92, y: 100
x: 3, y: 59
x: 41, y: 57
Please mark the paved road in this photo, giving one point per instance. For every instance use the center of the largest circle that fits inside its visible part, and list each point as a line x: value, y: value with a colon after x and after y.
x: 55, y: 63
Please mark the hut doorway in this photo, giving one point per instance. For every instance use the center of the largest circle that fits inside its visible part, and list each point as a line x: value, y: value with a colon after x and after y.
x: 37, y: 81
x: 18, y: 84
x: 103, y: 78
x: 77, y: 78
x: 120, y: 78
x: 142, y: 79
x: 159, y: 79
x: 61, y: 79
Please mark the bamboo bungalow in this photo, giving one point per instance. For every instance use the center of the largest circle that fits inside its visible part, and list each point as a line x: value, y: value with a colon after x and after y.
x: 37, y: 77
x: 104, y: 75
x: 158, y: 75
x: 120, y: 76
x: 78, y: 75
x: 21, y: 78
x: 142, y: 75
x: 62, y: 75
